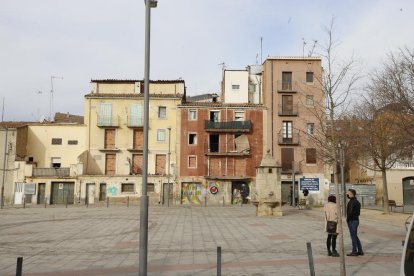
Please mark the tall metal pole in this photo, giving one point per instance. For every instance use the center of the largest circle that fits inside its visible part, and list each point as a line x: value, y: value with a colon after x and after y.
x: 143, y: 229
x: 342, y: 155
x: 293, y: 184
x: 4, y: 168
x: 168, y: 166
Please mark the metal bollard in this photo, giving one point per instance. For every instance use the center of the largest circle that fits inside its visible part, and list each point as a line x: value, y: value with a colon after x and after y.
x: 24, y: 203
x: 19, y: 266
x: 128, y: 201
x: 218, y: 260
x: 87, y: 203
x: 223, y: 201
x: 362, y: 202
x: 45, y: 201
x: 205, y: 201
x: 310, y: 258
x: 107, y: 202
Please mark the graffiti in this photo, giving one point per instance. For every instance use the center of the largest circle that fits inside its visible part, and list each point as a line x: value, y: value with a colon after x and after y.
x: 214, y: 187
x: 193, y: 193
x: 113, y: 190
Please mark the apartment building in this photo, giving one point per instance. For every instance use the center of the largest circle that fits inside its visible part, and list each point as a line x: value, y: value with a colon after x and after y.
x: 221, y: 144
x: 292, y: 92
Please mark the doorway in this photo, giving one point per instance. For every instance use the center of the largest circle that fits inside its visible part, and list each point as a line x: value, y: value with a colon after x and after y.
x: 62, y: 193
x: 165, y: 193
x: 102, y: 192
x: 408, y: 191
x: 90, y: 193
x: 41, y: 193
x: 239, y: 192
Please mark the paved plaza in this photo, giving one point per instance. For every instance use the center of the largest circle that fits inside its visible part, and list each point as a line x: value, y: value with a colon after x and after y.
x: 183, y: 241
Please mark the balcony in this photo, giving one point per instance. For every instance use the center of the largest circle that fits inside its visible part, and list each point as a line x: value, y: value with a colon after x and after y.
x: 50, y: 172
x: 231, y: 126
x: 135, y: 122
x: 290, y: 86
x: 231, y: 149
x: 108, y: 121
x: 288, y: 110
x: 292, y: 139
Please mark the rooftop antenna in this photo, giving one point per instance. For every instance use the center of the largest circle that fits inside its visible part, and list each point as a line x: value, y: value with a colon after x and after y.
x: 261, y: 50
x: 313, y: 47
x: 303, y: 47
x: 2, y: 111
x: 51, y: 95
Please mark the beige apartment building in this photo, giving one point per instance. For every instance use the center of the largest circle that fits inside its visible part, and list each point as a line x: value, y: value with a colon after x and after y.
x: 293, y: 95
x: 114, y: 112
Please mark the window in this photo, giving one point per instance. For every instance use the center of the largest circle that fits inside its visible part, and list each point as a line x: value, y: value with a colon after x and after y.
x: 56, y: 141
x: 137, y: 115
x: 109, y: 139
x: 310, y: 128
x: 192, y: 139
x: 72, y: 142
x: 287, y: 159
x: 192, y: 161
x: 309, y: 100
x: 239, y: 115
x: 105, y: 114
x: 311, y: 156
x: 287, y: 129
x: 215, y: 116
x: 287, y: 105
x: 127, y: 187
x: 160, y: 161
x: 235, y: 86
x: 192, y: 115
x: 286, y: 80
x: 150, y: 187
x: 56, y: 162
x: 162, y: 112
x: 110, y: 164
x: 214, y: 143
x: 161, y: 135
x: 309, y: 76
x: 136, y: 164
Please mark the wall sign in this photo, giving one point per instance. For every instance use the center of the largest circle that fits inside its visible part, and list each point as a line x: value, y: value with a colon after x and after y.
x: 312, y: 184
x: 213, y: 190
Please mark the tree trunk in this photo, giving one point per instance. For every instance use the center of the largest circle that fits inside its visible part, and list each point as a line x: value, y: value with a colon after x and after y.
x: 385, y: 190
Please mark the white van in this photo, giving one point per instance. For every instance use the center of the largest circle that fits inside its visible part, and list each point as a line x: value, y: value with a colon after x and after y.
x: 407, y: 260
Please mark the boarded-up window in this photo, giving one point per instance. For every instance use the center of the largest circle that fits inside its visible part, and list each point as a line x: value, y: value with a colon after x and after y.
x: 127, y: 187
x: 137, y: 164
x: 72, y: 142
x: 240, y: 167
x: 138, y: 139
x: 109, y: 141
x: 287, y: 159
x: 311, y: 156
x: 56, y: 141
x: 150, y: 187
x: 192, y: 161
x: 110, y: 161
x: 160, y: 160
x: 215, y: 167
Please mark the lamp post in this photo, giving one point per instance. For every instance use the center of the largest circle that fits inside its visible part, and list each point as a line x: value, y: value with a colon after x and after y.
x: 168, y: 166
x: 143, y: 228
x: 342, y: 161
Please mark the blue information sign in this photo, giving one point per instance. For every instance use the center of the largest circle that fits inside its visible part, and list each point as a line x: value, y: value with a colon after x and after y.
x: 312, y: 184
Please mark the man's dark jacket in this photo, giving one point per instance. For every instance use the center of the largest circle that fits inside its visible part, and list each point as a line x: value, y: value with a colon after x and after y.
x: 353, y: 209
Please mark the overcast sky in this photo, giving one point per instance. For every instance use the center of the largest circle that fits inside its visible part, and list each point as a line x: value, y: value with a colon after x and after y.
x: 82, y: 40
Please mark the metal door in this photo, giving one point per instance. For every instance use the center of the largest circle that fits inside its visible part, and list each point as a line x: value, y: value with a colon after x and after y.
x: 408, y: 190
x: 102, y: 192
x: 165, y: 193
x: 62, y: 193
x: 41, y: 193
x: 90, y: 193
x: 18, y: 193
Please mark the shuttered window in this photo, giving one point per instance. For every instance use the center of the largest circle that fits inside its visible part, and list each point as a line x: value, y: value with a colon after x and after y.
x: 136, y: 118
x: 311, y: 156
x: 105, y: 114
x: 287, y: 159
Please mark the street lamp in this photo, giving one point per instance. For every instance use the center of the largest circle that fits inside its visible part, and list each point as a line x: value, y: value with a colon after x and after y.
x: 143, y: 228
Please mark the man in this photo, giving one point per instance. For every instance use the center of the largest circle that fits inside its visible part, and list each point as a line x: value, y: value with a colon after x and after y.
x: 352, y: 218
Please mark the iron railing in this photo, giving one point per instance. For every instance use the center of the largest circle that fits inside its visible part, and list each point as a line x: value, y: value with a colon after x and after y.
x: 289, y: 139
x: 288, y: 110
x: 108, y: 121
x: 235, y: 126
x: 287, y: 86
x: 38, y: 172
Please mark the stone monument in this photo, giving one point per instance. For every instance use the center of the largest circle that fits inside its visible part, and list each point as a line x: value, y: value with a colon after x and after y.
x: 268, y: 189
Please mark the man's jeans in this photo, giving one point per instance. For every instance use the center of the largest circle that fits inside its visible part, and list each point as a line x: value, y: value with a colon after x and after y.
x: 353, y: 231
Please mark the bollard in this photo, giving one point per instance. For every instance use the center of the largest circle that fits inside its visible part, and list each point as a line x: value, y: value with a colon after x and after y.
x: 218, y: 260
x: 205, y: 201
x: 45, y: 201
x: 310, y: 258
x: 362, y: 202
x: 87, y: 202
x: 107, y: 202
x: 67, y: 200
x: 128, y: 201
x: 223, y: 201
x: 24, y: 203
x: 19, y: 266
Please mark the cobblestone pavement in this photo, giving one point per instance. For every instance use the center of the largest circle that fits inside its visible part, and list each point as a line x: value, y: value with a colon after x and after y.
x: 183, y: 241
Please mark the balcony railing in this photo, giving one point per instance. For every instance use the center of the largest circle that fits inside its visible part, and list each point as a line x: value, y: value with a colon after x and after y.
x: 135, y: 121
x: 404, y: 164
x: 292, y: 139
x: 283, y: 86
x: 285, y: 110
x: 229, y: 149
x: 231, y: 126
x: 108, y: 121
x: 58, y: 172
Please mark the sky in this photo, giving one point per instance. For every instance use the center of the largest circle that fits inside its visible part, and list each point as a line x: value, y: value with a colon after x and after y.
x: 81, y: 40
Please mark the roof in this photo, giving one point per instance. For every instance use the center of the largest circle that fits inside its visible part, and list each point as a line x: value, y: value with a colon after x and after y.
x: 68, y: 118
x: 222, y: 105
x: 268, y: 161
x: 201, y: 97
x: 14, y: 124
x: 133, y: 81
x: 293, y: 58
x: 135, y: 95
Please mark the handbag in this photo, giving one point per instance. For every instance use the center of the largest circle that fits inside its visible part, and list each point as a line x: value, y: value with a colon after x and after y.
x: 330, y: 225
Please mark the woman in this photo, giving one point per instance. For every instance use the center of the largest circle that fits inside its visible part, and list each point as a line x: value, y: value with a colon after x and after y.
x: 331, y: 215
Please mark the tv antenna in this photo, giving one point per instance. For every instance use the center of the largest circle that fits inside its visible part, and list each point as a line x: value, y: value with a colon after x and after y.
x: 303, y: 47
x: 313, y: 48
x: 51, y: 95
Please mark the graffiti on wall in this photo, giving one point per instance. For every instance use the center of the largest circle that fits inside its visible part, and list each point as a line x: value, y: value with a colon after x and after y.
x: 214, y: 187
x: 193, y: 193
x: 113, y: 190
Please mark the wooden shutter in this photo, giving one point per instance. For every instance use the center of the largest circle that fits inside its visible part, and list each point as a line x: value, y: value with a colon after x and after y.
x: 137, y: 164
x: 287, y: 159
x: 136, y: 115
x: 160, y: 160
x: 138, y: 142
x: 105, y: 114
x: 110, y: 162
x: 109, y: 142
x: 287, y: 105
